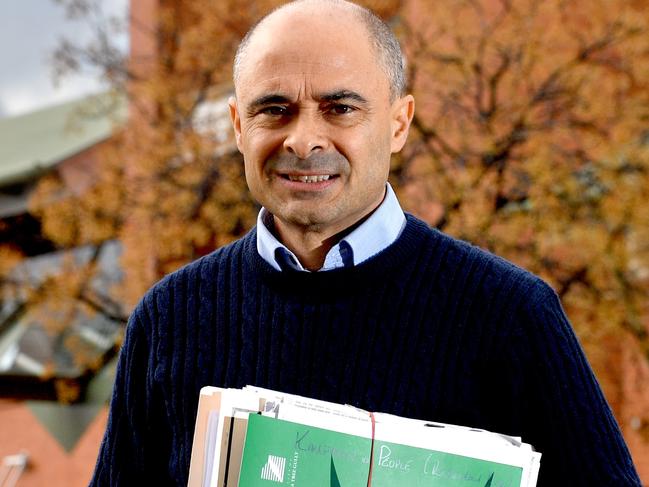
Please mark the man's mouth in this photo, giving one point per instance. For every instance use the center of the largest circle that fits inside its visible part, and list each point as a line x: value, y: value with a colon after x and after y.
x: 315, y: 178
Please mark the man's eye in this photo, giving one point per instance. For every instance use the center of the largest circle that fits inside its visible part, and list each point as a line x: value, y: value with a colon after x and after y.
x: 341, y: 109
x: 275, y: 111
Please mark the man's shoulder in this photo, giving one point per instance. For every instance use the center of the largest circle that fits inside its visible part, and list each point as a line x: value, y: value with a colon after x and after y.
x: 204, y: 268
x: 458, y: 257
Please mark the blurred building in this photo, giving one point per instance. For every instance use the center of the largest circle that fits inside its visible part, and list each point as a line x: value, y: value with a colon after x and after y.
x: 53, y: 405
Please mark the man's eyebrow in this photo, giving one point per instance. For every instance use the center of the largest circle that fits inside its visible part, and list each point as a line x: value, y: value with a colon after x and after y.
x: 342, y: 95
x: 269, y: 99
x: 278, y: 98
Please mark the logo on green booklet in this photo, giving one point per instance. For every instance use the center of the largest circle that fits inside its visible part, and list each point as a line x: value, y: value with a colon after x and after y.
x: 274, y: 469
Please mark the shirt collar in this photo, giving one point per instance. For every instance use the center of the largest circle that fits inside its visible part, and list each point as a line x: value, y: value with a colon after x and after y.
x: 376, y: 233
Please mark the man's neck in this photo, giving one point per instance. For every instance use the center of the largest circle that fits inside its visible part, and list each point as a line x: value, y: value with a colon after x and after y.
x: 311, y: 245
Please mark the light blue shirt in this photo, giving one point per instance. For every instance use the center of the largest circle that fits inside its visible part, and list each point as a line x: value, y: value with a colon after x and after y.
x: 376, y: 233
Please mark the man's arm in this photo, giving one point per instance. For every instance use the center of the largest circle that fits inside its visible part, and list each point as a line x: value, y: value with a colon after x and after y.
x: 564, y: 413
x: 134, y: 450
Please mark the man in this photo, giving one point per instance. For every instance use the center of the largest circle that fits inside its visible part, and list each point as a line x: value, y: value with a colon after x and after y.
x: 336, y: 294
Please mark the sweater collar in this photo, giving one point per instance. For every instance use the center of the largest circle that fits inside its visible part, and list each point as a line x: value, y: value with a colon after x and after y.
x: 390, y: 260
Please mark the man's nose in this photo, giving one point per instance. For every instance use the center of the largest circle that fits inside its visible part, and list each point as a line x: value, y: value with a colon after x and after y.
x: 307, y: 135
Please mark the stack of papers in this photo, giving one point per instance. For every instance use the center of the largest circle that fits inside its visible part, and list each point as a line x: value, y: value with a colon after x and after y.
x: 258, y: 437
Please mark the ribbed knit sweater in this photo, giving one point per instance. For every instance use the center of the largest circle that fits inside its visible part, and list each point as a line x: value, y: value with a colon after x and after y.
x: 430, y: 328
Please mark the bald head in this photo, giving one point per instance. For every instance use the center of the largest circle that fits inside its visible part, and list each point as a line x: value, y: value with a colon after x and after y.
x: 380, y: 37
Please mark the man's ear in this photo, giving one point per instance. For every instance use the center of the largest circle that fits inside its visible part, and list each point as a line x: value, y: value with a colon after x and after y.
x: 403, y: 110
x: 236, y: 120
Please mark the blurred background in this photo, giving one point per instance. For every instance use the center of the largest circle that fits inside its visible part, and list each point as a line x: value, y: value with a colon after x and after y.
x: 117, y: 166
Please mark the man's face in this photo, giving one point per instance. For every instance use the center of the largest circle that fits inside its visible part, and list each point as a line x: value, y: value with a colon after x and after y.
x: 314, y: 121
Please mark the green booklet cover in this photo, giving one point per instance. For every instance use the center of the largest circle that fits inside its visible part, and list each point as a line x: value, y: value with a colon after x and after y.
x: 281, y: 452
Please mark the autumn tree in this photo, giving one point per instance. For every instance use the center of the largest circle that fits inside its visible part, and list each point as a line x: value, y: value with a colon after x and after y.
x: 530, y: 139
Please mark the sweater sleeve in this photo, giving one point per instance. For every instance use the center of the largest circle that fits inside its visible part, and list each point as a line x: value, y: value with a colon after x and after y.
x: 132, y: 453
x: 563, y: 412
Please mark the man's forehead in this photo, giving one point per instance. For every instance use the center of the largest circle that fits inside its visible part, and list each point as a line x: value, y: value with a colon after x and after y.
x: 273, y: 70
x: 312, y: 29
x: 295, y: 81
x: 306, y: 47
x: 316, y: 50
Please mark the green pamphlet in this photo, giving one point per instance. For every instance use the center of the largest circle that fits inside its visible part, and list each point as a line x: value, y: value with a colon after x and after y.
x: 282, y: 452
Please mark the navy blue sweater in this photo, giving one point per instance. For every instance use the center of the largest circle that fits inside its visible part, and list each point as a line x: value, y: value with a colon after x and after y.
x: 430, y: 328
